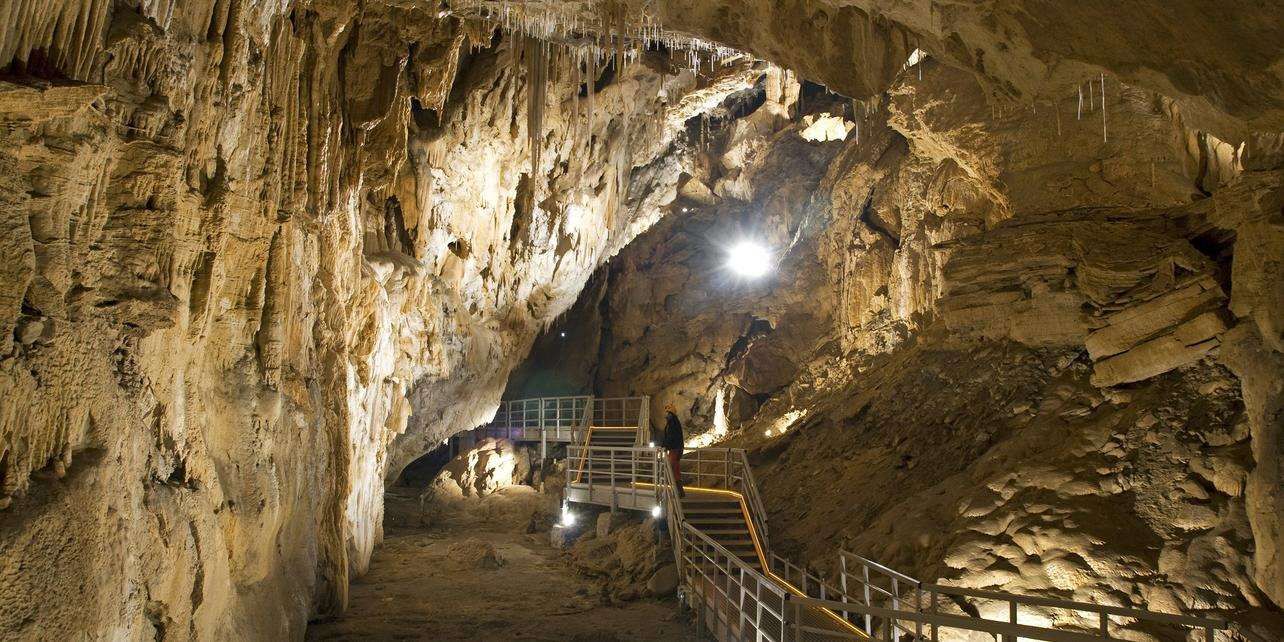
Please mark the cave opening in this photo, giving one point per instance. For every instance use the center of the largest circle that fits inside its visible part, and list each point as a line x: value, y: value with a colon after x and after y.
x: 641, y: 320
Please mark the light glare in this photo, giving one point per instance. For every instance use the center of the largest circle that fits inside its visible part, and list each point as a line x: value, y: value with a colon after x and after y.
x: 655, y: 511
x: 749, y: 259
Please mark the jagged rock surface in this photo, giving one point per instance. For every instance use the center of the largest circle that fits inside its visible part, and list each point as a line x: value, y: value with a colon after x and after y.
x: 259, y: 256
x: 256, y: 258
x: 964, y: 247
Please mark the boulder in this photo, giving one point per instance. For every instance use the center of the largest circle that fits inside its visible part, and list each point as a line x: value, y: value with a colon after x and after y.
x: 607, y: 523
x: 664, y: 581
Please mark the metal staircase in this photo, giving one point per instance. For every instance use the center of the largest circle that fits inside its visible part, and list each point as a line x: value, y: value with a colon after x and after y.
x: 740, y: 590
x: 721, y: 518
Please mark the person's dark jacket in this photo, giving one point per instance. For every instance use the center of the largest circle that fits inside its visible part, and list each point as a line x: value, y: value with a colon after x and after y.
x: 673, y: 438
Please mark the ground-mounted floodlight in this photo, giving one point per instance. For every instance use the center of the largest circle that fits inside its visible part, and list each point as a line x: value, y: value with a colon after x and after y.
x: 749, y: 259
x: 655, y: 511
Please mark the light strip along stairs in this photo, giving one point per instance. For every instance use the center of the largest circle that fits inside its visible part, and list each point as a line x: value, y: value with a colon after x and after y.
x: 719, y: 509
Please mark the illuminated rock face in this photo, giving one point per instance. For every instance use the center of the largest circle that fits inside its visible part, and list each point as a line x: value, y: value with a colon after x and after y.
x: 996, y: 349
x: 259, y: 256
x: 491, y: 465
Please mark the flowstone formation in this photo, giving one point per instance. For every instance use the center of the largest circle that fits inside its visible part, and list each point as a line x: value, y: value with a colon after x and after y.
x: 259, y: 256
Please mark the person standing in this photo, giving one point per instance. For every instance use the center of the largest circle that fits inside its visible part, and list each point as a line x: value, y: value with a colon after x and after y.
x: 672, y: 444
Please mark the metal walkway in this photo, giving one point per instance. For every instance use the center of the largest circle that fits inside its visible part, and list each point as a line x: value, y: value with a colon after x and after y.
x: 565, y: 419
x: 740, y: 590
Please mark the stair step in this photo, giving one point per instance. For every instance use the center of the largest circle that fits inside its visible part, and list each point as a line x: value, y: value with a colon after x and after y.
x: 757, y: 566
x: 712, y: 520
x: 715, y: 533
x: 733, y: 543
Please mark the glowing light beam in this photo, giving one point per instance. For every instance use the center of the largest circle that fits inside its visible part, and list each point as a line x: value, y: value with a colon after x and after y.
x: 749, y: 259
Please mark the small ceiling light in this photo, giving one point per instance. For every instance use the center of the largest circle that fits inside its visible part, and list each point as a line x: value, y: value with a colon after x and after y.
x: 655, y: 511
x: 562, y: 334
x: 650, y: 444
x: 749, y: 259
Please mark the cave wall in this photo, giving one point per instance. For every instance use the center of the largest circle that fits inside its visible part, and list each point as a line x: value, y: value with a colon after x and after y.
x: 257, y: 257
x: 1220, y: 62
x: 1063, y: 310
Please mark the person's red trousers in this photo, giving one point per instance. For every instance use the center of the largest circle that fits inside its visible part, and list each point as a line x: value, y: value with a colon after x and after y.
x: 675, y: 463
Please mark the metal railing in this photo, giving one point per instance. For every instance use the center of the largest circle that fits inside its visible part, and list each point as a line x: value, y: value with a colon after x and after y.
x: 567, y: 419
x: 628, y: 474
x: 728, y: 469
x: 787, y: 602
x: 621, y: 412
x: 731, y: 600
x: 805, y: 581
x: 893, y: 604
x: 540, y: 418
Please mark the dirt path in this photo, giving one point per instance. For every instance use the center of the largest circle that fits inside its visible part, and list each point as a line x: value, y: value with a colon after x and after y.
x: 421, y: 587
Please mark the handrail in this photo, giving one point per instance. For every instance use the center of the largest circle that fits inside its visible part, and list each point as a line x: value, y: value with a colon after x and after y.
x: 723, y: 582
x: 687, y: 527
x: 558, y: 414
x: 933, y: 591
x: 617, y: 457
x: 943, y: 620
x: 586, y: 427
x: 701, y: 559
x: 728, y: 468
x: 752, y: 496
x: 1121, y: 611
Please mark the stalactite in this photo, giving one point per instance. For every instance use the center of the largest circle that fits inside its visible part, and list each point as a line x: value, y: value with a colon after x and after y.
x: 625, y: 30
x: 592, y: 88
x: 1103, y: 107
x: 536, y: 93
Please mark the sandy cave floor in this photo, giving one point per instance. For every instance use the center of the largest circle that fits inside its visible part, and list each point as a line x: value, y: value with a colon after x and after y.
x: 416, y: 589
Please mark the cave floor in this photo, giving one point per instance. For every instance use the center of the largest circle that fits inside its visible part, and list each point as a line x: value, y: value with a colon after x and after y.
x: 419, y: 587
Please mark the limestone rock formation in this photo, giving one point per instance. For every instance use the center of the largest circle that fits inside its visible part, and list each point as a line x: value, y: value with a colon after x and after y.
x: 956, y: 247
x: 491, y: 465
x: 257, y: 257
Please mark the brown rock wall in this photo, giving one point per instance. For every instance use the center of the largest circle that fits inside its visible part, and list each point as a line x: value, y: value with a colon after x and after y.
x: 257, y: 258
